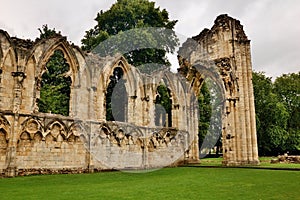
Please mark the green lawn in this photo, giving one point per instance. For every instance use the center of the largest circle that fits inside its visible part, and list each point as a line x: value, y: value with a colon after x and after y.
x: 265, y: 162
x: 169, y: 183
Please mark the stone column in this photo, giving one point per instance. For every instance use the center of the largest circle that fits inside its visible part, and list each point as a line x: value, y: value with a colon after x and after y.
x: 11, y: 170
x: 18, y: 86
x: 254, y: 159
x: 12, y: 144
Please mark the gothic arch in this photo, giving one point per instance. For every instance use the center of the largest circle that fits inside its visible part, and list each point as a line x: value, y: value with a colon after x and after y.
x: 5, y: 126
x: 163, y: 106
x: 10, y: 60
x: 9, y: 66
x: 6, y: 45
x: 169, y: 80
x: 43, y: 50
x: 130, y: 77
x: 29, y: 92
x: 56, y: 130
x: 31, y: 127
x: 66, y: 52
x: 77, y: 133
x: 116, y: 97
x: 57, y: 43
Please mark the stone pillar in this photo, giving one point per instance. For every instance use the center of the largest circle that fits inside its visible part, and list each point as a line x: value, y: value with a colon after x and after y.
x: 175, y: 115
x: 11, y: 170
x: 89, y: 156
x: 227, y: 44
x: 193, y: 131
x: 254, y: 158
x: 131, y: 109
x: 18, y: 86
x: 1, y: 88
x: 12, y: 144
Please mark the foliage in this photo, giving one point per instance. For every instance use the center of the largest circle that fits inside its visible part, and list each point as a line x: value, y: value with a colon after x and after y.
x: 127, y: 15
x: 169, y: 183
x: 276, y: 105
x: 55, y: 86
x: 287, y: 88
x: 205, y: 112
x: 210, y: 101
x: 163, y: 106
x: 46, y: 32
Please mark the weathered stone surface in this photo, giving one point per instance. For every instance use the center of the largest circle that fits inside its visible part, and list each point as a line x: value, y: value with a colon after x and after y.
x: 287, y: 159
x: 37, y: 143
x: 226, y: 48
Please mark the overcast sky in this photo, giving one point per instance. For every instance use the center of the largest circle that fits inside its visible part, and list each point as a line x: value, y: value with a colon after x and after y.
x: 273, y: 26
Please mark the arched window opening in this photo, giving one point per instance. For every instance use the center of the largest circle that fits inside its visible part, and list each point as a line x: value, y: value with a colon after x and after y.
x: 209, y: 124
x: 163, y: 107
x: 116, y: 97
x: 55, y: 86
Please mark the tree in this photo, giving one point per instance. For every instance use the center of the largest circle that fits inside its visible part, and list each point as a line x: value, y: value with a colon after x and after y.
x: 262, y: 87
x: 128, y: 15
x: 55, y: 86
x: 205, y: 112
x: 46, y: 32
x: 272, y: 117
x: 287, y: 88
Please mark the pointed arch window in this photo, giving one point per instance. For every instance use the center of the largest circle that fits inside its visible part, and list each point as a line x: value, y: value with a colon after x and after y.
x: 116, y: 97
x: 163, y: 107
x: 55, y: 86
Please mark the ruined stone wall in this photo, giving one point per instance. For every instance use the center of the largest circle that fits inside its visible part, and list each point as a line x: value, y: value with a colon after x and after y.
x: 47, y: 143
x: 227, y: 48
x: 34, y: 142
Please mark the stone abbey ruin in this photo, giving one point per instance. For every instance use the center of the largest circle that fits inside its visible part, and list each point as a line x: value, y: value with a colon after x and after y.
x: 32, y: 142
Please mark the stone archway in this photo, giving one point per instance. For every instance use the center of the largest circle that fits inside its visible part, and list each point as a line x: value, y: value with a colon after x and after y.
x: 223, y: 54
x: 55, y: 85
x: 116, y: 97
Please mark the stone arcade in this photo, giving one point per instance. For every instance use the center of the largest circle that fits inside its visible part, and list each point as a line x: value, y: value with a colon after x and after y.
x: 32, y: 142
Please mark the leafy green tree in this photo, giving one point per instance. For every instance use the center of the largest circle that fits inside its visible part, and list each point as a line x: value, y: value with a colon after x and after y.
x: 205, y: 112
x: 275, y: 125
x: 46, y: 32
x: 127, y: 15
x: 210, y: 101
x: 55, y: 86
x: 287, y: 88
x: 272, y: 117
x: 262, y: 87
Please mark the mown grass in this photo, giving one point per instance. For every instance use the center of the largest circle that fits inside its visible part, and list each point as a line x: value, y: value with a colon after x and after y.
x: 168, y: 183
x: 265, y: 162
